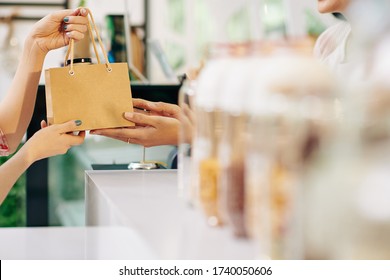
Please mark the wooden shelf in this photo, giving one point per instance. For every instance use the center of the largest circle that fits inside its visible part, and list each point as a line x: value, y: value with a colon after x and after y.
x: 21, y: 18
x: 62, y: 5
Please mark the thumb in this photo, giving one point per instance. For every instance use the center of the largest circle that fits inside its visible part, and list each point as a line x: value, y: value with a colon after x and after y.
x: 69, y: 126
x: 80, y: 12
x: 43, y: 124
x: 140, y: 119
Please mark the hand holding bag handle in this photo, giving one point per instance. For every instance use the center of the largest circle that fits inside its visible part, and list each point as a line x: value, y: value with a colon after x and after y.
x: 97, y: 94
x: 70, y: 51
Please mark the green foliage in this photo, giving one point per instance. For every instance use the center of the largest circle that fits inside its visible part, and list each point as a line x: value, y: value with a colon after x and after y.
x: 176, y: 17
x: 13, y: 209
x: 314, y: 25
x: 83, y: 3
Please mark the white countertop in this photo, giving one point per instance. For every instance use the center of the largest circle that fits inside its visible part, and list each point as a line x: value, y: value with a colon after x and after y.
x: 147, y: 202
x: 66, y: 243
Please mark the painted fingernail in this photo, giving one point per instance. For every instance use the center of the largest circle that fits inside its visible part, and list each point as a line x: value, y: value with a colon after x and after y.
x: 129, y: 115
x: 65, y: 27
x: 78, y: 122
x: 66, y: 19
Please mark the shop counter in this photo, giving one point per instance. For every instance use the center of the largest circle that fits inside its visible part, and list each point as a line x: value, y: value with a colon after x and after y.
x: 73, y: 243
x: 147, y: 202
x: 66, y: 203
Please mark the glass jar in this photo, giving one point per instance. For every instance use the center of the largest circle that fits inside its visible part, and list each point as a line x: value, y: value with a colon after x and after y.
x: 208, y: 132
x: 285, y: 133
x: 233, y: 142
x: 352, y: 203
x: 187, y: 187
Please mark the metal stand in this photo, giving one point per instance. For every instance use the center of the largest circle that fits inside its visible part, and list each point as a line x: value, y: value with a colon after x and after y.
x: 142, y: 165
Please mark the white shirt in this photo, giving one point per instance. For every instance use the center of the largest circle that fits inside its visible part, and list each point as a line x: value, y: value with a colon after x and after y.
x: 331, y: 46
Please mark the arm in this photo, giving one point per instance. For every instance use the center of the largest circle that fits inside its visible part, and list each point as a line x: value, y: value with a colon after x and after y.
x: 48, y: 141
x: 49, y: 33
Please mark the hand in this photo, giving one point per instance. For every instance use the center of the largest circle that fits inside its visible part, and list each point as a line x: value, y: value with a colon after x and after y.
x: 56, y: 29
x: 53, y: 140
x: 185, y: 115
x: 156, y: 123
x: 149, y: 130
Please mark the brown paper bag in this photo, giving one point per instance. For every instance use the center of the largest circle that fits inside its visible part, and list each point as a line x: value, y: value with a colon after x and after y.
x: 97, y: 94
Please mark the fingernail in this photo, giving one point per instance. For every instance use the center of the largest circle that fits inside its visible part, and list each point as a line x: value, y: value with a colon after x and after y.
x: 83, y: 11
x: 67, y: 34
x: 78, y: 122
x: 66, y: 19
x: 65, y: 27
x: 129, y: 115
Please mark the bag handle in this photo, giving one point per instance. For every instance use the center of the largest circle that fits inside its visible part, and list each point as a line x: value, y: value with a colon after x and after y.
x: 70, y: 51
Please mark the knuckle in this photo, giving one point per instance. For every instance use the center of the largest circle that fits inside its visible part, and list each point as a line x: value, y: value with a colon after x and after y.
x: 142, y: 102
x: 160, y: 104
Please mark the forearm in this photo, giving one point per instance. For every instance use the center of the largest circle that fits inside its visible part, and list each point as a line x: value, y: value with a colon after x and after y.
x: 12, y: 170
x: 17, y: 107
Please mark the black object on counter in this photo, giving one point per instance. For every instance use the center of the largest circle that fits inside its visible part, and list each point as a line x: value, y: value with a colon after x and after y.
x: 157, y: 93
x: 116, y: 166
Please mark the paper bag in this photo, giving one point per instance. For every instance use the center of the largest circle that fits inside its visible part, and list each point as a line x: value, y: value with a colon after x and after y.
x: 97, y: 94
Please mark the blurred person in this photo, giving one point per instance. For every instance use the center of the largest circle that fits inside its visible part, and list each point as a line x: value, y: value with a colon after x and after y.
x: 331, y: 46
x: 356, y: 47
x: 16, y: 109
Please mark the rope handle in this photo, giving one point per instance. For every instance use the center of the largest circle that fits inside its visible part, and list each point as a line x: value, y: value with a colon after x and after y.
x: 70, y: 51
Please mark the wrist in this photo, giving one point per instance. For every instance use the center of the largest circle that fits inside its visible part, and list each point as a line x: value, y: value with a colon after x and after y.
x: 32, y: 49
x: 27, y: 156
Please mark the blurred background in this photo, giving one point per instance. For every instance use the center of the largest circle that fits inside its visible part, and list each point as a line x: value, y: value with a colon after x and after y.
x: 168, y: 38
x: 288, y: 152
